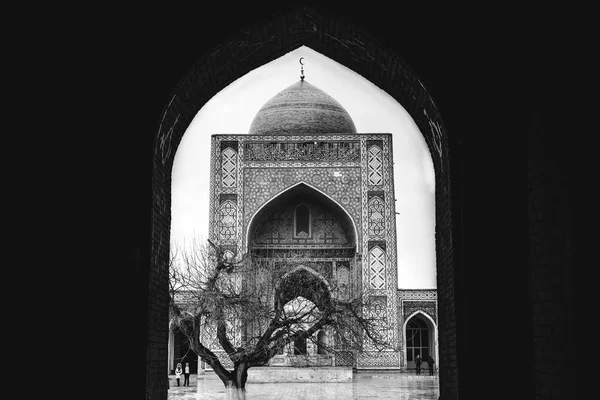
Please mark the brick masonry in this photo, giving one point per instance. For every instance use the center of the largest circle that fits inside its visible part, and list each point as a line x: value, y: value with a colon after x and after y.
x: 550, y: 263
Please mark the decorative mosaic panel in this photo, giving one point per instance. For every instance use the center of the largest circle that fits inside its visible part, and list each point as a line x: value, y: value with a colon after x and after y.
x: 227, y: 221
x: 427, y: 307
x: 378, y: 307
x: 377, y: 268
x: 376, y: 217
x: 385, y: 359
x: 386, y: 192
x: 344, y: 151
x: 293, y: 251
x: 260, y: 185
x: 214, y: 189
x: 229, y: 168
x: 344, y: 359
x: 343, y: 282
x: 323, y: 170
x: 417, y: 294
x: 375, y: 166
x: 377, y: 310
x: 224, y: 359
x: 325, y: 228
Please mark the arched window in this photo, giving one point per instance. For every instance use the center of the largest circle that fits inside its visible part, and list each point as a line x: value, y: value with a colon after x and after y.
x: 302, y: 221
x: 300, y: 346
x: 417, y: 340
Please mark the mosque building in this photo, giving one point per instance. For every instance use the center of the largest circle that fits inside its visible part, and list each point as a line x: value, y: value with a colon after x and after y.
x: 303, y: 184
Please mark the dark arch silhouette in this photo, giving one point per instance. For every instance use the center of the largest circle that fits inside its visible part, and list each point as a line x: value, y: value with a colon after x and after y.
x: 329, y: 37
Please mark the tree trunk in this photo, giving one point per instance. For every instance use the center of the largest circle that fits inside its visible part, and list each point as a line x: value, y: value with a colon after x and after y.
x: 236, y: 389
x: 234, y: 393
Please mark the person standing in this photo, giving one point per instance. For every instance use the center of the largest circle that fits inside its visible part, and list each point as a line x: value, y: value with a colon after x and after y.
x: 186, y: 375
x: 418, y: 362
x: 430, y: 363
x: 178, y: 372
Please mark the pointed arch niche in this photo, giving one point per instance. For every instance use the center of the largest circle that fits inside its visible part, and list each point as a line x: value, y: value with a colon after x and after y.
x: 344, y: 43
x: 420, y: 335
x: 325, y: 222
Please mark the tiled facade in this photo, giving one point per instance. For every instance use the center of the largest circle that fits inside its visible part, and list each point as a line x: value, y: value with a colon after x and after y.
x: 354, y: 245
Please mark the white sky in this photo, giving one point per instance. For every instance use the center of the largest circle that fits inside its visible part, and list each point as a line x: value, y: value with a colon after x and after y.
x: 372, y: 110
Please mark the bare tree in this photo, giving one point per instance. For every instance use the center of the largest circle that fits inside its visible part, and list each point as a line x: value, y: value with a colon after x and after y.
x: 252, y: 311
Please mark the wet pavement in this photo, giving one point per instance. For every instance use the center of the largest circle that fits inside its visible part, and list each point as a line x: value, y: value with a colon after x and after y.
x: 365, y: 385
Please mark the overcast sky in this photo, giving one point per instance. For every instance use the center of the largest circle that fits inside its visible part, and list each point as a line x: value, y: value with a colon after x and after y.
x: 371, y: 109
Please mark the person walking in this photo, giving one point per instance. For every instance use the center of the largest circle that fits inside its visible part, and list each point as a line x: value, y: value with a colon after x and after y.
x: 430, y: 363
x: 178, y: 372
x: 186, y: 375
x: 418, y: 362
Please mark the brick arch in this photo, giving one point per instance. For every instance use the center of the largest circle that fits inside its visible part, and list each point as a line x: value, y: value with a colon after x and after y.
x: 259, y: 44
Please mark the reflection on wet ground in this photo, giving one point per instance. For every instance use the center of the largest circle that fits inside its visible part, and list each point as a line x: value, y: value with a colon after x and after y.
x: 390, y: 385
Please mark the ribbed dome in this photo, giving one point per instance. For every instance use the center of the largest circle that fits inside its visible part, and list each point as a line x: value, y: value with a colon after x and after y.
x: 299, y: 110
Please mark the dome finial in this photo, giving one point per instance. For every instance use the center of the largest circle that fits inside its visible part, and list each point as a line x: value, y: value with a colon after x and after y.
x: 301, y: 68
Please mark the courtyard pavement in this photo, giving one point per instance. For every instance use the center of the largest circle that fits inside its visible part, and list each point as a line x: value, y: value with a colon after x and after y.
x: 365, y: 385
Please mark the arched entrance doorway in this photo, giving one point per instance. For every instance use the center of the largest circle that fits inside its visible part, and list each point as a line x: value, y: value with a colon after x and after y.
x: 308, y: 234
x: 419, y: 340
x: 179, y: 352
x: 306, y: 293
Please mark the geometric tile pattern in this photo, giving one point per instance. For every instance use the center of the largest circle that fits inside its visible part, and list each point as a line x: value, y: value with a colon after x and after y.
x: 376, y: 217
x: 378, y: 312
x: 228, y: 168
x: 379, y: 223
x: 427, y: 307
x: 344, y: 359
x: 384, y: 359
x: 375, y: 165
x: 227, y: 223
x: 342, y: 184
x: 343, y: 283
x: 347, y: 178
x: 300, y: 151
x: 377, y: 268
x: 417, y: 294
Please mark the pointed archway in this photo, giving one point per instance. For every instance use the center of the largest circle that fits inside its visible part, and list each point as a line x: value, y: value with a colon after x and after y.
x: 420, y: 337
x: 325, y: 223
x: 387, y: 70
